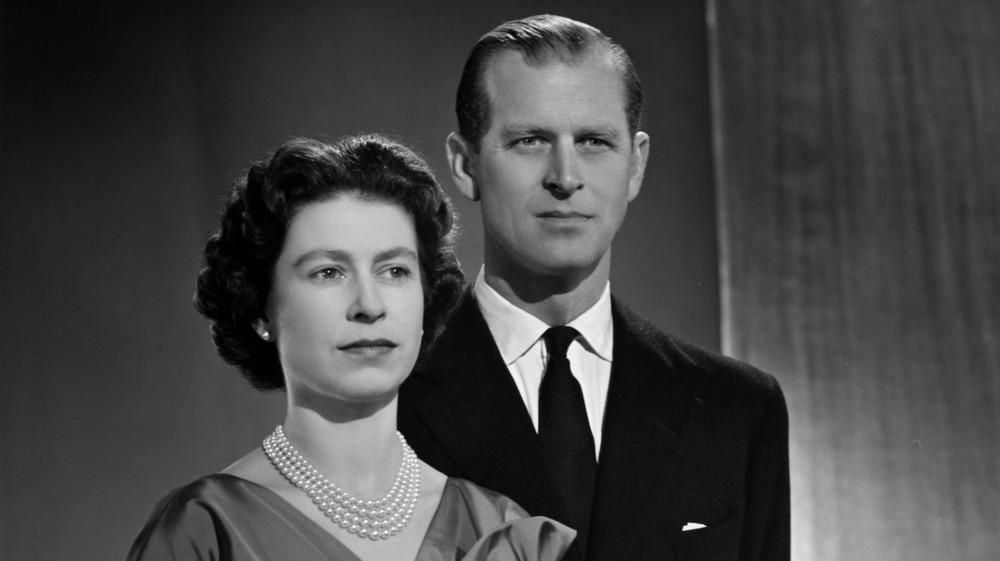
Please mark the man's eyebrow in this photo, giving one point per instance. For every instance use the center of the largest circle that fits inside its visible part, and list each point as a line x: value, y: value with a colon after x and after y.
x: 607, y: 131
x: 523, y: 130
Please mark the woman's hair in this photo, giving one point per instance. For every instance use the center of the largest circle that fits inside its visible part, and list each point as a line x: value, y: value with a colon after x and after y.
x: 239, y: 258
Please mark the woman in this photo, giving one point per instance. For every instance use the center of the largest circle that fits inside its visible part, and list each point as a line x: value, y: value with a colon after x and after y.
x: 332, y: 268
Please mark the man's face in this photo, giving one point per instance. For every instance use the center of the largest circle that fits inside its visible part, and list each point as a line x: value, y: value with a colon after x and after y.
x: 557, y: 167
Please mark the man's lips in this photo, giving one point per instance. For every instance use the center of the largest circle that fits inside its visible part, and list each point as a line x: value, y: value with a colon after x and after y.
x: 368, y: 347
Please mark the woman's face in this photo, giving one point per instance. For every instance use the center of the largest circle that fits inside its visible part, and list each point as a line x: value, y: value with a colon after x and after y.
x: 346, y: 307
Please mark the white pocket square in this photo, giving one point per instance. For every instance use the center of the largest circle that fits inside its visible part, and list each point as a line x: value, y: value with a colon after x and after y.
x: 692, y: 526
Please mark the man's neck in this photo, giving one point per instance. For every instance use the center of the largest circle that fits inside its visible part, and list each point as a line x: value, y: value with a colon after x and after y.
x: 554, y: 299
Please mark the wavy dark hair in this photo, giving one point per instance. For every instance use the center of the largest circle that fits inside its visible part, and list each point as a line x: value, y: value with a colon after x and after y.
x: 239, y: 258
x: 541, y: 39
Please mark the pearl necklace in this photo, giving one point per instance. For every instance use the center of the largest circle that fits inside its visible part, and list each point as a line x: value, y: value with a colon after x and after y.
x: 372, y: 519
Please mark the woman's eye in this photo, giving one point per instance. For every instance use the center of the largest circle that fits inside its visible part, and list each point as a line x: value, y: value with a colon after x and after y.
x: 398, y: 272
x: 327, y: 273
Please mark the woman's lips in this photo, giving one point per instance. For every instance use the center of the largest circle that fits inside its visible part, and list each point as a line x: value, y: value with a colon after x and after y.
x: 368, y: 347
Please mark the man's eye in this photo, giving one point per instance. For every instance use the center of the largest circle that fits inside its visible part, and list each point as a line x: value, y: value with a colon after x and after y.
x: 528, y: 141
x: 596, y: 143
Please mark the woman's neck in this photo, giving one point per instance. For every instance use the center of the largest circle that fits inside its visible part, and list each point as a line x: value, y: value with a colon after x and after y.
x: 361, y: 454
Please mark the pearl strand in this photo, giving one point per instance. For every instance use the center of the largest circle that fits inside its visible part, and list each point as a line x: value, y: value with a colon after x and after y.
x: 372, y: 519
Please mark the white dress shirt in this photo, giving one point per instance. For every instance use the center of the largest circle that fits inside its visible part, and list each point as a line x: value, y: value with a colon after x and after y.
x: 518, y: 336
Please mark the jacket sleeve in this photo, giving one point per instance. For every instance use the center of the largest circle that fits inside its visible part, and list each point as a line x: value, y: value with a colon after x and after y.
x: 767, y: 520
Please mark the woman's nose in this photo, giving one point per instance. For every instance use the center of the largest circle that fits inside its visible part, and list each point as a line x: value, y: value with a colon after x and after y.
x: 368, y: 306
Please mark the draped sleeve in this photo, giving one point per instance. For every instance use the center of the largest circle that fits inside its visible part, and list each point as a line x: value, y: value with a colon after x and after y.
x: 476, y: 524
x: 527, y: 539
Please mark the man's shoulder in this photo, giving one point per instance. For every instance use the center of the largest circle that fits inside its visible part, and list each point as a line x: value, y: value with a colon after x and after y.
x: 703, y: 365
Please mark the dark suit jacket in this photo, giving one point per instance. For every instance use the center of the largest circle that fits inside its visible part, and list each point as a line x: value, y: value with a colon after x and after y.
x: 688, y: 436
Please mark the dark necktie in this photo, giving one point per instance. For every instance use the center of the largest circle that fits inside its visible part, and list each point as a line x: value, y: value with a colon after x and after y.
x: 565, y: 432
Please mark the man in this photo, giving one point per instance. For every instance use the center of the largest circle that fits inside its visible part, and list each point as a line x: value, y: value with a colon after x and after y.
x: 650, y: 447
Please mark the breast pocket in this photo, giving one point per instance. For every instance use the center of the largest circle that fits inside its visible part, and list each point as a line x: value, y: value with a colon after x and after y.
x: 716, y: 542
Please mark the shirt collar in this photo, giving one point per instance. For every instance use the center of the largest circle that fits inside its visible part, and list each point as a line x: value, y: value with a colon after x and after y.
x: 515, y: 330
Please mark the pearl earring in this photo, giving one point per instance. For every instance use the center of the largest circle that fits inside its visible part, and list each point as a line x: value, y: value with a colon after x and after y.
x: 266, y: 335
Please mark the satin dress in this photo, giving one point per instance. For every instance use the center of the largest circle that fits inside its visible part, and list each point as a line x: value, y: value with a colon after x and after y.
x: 223, y: 517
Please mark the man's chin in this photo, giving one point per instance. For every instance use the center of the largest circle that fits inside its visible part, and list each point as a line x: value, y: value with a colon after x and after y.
x: 567, y: 267
x: 553, y: 262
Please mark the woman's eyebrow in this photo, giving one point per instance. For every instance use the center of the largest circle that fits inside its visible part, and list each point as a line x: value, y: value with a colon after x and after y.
x: 396, y: 253
x: 333, y: 254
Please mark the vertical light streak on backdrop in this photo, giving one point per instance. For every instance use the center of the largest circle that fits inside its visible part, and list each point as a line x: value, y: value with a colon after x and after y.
x: 858, y: 169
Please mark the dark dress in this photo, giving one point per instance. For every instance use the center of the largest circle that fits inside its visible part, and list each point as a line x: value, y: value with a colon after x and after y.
x: 223, y: 517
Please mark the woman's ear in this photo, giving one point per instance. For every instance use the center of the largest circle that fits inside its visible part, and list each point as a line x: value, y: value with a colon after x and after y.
x: 461, y: 155
x: 263, y: 328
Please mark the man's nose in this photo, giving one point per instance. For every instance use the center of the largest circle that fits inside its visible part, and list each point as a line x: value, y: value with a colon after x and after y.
x: 564, y: 174
x: 368, y: 306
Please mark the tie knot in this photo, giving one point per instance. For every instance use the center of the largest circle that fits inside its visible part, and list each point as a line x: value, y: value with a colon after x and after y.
x: 558, y: 338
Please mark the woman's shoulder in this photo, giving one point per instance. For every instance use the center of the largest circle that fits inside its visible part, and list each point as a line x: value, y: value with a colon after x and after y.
x: 255, y: 466
x: 217, y: 489
x: 186, y: 517
x: 210, y: 494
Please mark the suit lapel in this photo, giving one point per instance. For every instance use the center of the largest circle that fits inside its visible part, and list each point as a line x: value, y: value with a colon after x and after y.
x: 647, y: 409
x: 479, y: 419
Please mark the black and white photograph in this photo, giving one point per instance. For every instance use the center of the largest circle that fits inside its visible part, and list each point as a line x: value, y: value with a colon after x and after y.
x: 520, y: 281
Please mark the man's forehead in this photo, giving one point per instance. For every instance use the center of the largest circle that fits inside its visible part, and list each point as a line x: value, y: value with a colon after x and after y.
x: 551, y: 59
x: 509, y: 71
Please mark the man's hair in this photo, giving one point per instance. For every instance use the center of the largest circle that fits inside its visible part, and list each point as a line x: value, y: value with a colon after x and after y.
x: 540, y: 39
x: 239, y: 258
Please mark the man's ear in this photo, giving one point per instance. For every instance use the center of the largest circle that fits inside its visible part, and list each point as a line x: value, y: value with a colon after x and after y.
x: 461, y: 155
x: 637, y: 165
